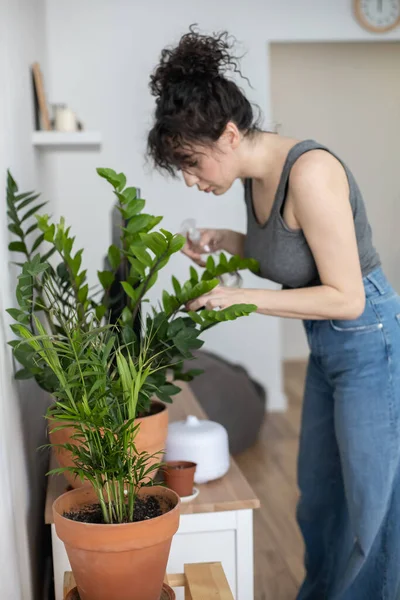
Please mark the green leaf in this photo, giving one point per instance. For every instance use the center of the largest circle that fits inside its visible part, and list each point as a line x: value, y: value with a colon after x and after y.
x: 100, y: 311
x: 223, y: 260
x: 32, y: 211
x: 49, y: 233
x: 138, y: 223
x: 75, y: 263
x: 106, y: 278
x: 211, y: 317
x: 16, y: 229
x: 126, y: 315
x: 170, y: 389
x: 141, y: 254
x: 129, y: 194
x: 166, y: 299
x: 128, y: 335
x: 114, y: 256
x: 210, y: 263
x: 18, y: 247
x: 138, y: 267
x: 186, y: 340
x: 82, y: 294
x: 176, y: 285
x: 18, y: 315
x: 161, y: 263
x: 195, y: 317
x: 194, y: 276
x: 129, y: 290
x: 110, y: 175
x: 122, y: 182
x: 175, y: 326
x: 11, y: 183
x: 151, y: 281
x: 190, y: 292
x: 37, y: 242
x: 23, y: 374
x: 168, y: 235
x: 31, y: 228
x: 156, y: 242
x: 177, y: 243
x: 133, y: 208
x: 28, y: 201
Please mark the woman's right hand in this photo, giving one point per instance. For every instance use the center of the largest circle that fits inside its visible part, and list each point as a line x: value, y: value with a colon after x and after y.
x: 212, y: 240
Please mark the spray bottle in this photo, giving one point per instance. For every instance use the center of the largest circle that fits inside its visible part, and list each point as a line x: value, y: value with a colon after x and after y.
x: 189, y: 229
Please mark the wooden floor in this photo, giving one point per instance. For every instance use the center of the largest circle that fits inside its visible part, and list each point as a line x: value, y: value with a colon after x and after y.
x: 270, y: 467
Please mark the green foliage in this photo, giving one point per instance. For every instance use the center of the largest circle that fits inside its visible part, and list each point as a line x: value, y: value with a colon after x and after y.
x: 96, y: 393
x: 143, y: 252
x: 104, y: 375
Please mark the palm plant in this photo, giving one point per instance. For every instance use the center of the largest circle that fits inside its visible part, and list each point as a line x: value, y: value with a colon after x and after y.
x: 98, y: 384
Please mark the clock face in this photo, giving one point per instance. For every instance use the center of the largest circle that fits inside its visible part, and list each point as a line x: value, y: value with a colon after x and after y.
x: 379, y: 14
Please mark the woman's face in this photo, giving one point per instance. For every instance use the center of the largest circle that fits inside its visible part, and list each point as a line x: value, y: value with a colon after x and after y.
x: 213, y: 168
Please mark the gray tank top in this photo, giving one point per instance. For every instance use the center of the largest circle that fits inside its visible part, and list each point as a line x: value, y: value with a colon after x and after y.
x: 283, y: 253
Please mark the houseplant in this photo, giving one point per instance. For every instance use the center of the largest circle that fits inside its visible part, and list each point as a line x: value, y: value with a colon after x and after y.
x: 133, y: 270
x: 118, y: 532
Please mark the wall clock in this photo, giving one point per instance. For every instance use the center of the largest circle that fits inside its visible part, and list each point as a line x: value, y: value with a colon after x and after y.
x: 378, y: 16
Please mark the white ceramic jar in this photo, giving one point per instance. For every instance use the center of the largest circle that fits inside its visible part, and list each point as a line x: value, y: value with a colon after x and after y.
x: 65, y: 119
x: 201, y: 441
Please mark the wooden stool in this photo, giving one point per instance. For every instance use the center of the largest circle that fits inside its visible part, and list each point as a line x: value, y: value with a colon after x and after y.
x: 202, y: 581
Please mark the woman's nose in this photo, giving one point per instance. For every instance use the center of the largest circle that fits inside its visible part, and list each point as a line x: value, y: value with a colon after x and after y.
x: 190, y: 180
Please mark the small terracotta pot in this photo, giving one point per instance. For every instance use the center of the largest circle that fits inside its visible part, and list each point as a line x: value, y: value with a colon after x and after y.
x: 167, y: 593
x: 150, y: 438
x: 179, y: 476
x: 122, y: 561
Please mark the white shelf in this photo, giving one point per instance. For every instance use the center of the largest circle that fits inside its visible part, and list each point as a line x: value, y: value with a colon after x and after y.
x: 60, y: 139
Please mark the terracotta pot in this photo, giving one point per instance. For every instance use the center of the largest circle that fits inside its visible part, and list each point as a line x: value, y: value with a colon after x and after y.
x: 167, y: 593
x: 125, y: 561
x: 179, y: 476
x: 151, y: 438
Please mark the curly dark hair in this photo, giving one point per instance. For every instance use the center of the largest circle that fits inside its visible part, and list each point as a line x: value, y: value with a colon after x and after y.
x: 194, y: 98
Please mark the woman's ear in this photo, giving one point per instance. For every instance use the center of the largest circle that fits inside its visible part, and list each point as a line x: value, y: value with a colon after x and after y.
x: 231, y: 136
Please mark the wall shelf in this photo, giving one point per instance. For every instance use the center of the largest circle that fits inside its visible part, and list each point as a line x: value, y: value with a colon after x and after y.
x: 60, y: 139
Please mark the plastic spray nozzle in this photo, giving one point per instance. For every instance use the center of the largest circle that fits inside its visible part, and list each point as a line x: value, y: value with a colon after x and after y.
x: 189, y: 228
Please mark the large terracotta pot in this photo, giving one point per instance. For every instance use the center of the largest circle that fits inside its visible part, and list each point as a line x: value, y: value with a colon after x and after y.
x: 151, y: 438
x: 125, y: 561
x: 167, y: 593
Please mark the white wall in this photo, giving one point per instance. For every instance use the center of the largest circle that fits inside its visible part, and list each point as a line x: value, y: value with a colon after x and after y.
x: 22, y: 427
x: 100, y: 55
x: 355, y: 103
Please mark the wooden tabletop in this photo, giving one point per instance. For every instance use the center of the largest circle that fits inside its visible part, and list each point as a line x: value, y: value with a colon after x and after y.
x: 231, y: 492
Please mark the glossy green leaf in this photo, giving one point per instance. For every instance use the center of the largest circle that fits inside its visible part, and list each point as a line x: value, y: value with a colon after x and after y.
x: 106, y: 278
x: 114, y: 257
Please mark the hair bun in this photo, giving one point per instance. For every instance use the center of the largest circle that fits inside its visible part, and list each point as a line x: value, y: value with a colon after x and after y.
x: 196, y: 58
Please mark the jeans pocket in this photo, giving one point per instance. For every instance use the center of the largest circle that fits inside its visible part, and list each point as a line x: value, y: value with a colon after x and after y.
x: 351, y: 326
x: 368, y: 321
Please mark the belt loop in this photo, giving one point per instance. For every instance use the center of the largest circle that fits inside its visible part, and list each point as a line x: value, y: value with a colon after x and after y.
x: 375, y: 281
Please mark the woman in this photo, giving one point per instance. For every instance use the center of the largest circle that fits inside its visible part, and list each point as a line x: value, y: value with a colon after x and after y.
x: 308, y: 228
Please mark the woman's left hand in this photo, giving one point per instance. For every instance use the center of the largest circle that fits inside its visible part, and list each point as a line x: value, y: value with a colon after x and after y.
x: 222, y: 297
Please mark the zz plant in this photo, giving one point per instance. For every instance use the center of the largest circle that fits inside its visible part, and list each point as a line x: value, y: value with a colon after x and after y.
x: 133, y: 268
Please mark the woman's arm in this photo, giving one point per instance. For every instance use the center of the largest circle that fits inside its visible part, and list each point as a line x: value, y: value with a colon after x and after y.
x: 233, y: 242
x: 319, y: 195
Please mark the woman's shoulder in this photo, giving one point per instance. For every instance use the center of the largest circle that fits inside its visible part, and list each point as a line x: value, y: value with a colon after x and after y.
x: 315, y: 164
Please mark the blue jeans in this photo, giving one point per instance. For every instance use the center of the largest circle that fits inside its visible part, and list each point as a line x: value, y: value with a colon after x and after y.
x: 349, y: 458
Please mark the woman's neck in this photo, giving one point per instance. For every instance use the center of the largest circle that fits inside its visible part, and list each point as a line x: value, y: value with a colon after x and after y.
x: 261, y: 154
